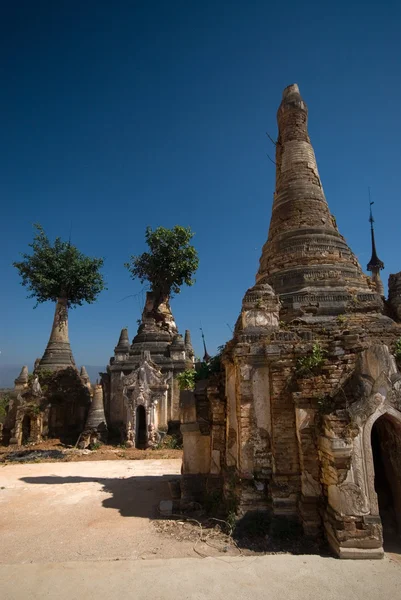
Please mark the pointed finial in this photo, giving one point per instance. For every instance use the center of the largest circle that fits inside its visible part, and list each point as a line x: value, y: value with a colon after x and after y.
x: 187, y: 339
x: 123, y: 341
x: 206, y: 355
x: 23, y: 376
x: 375, y: 263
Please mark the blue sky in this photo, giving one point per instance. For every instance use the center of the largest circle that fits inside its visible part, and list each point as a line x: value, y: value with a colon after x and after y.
x: 118, y: 115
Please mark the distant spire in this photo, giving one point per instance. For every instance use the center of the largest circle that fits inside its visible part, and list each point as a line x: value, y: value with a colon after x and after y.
x: 84, y: 375
x: 206, y: 355
x: 375, y: 262
x: 123, y: 342
x: 187, y: 339
x: 22, y: 378
x: 188, y: 342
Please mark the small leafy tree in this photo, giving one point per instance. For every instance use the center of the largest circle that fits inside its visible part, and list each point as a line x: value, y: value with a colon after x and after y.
x: 60, y: 273
x: 186, y: 379
x: 310, y: 365
x: 4, y: 403
x: 170, y: 262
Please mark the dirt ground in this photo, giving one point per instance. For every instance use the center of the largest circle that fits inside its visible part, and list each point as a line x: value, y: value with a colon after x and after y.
x: 90, y: 510
x: 101, y: 510
x: 55, y: 451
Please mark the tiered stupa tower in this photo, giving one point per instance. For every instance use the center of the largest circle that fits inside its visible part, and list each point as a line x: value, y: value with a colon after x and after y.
x: 305, y: 259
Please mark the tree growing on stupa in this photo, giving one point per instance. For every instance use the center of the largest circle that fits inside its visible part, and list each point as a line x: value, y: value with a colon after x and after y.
x: 170, y: 263
x: 59, y: 273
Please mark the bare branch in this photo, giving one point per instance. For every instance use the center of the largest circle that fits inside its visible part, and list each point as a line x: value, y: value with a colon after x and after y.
x: 271, y: 139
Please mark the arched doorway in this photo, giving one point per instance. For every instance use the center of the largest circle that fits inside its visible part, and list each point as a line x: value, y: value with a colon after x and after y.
x: 26, y: 429
x: 386, y: 450
x: 141, y: 437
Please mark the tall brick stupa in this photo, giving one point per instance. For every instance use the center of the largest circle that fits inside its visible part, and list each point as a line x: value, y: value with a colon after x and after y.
x: 305, y: 259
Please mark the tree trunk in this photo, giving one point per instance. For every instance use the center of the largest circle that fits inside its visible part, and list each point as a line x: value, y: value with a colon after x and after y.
x: 157, y: 307
x: 58, y: 353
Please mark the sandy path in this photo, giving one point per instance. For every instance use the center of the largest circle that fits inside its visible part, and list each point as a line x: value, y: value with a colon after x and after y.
x: 54, y: 512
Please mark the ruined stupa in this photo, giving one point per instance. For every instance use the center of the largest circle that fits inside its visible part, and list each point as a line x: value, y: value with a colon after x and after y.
x: 306, y: 423
x: 305, y: 259
x: 158, y: 339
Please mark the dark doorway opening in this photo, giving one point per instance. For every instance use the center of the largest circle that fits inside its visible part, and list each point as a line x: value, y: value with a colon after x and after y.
x: 26, y: 429
x: 141, y: 434
x: 386, y: 449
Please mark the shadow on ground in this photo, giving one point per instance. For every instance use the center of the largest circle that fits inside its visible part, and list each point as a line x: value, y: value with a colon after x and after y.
x: 137, y: 496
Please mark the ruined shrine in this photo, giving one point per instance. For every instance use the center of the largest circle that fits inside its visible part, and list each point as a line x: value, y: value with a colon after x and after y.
x: 60, y: 409
x: 306, y: 422
x: 141, y: 389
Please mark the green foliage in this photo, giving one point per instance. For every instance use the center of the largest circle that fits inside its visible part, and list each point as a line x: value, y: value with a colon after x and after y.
x: 173, y: 442
x: 59, y: 271
x: 186, y: 379
x: 311, y: 364
x: 341, y: 319
x: 397, y: 351
x: 96, y: 445
x: 213, y: 502
x: 4, y: 404
x: 170, y: 262
x: 170, y: 442
x: 213, y: 367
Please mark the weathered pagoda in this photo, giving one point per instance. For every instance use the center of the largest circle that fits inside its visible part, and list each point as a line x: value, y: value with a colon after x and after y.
x: 307, y: 422
x: 141, y: 388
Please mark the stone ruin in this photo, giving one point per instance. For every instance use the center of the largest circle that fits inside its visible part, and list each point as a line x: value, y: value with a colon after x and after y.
x: 58, y: 410
x: 138, y: 397
x: 304, y: 422
x: 145, y: 402
x: 305, y: 425
x: 141, y: 389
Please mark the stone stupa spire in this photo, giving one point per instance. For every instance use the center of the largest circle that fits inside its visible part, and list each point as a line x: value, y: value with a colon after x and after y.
x: 58, y: 354
x: 22, y: 379
x: 188, y: 343
x: 375, y: 264
x: 96, y: 420
x: 305, y: 259
x: 123, y: 342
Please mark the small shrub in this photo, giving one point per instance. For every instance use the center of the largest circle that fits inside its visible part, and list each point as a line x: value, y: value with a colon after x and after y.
x: 311, y: 364
x: 4, y: 404
x: 96, y: 445
x: 170, y: 442
x: 186, y: 379
x: 341, y: 319
x: 213, y: 502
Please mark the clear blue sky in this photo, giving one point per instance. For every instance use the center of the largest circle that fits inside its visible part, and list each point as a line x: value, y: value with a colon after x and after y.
x: 118, y: 115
